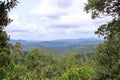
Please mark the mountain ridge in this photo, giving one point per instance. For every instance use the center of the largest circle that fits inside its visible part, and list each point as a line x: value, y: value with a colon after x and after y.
x: 58, y: 44
x: 57, y: 40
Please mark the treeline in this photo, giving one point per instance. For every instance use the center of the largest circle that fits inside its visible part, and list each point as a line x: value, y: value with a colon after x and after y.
x: 38, y: 65
x: 62, y: 52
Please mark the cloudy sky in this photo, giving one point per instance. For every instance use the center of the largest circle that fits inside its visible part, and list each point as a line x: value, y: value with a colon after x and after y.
x: 52, y: 19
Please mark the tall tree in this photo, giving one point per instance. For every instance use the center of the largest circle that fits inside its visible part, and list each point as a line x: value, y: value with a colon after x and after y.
x: 109, y: 52
x: 17, y: 53
x: 5, y: 7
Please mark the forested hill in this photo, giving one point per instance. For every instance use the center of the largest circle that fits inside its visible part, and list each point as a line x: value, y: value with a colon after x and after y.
x: 59, y: 44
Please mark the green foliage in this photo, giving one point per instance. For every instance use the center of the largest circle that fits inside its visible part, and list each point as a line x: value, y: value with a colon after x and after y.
x: 5, y: 57
x: 83, y: 73
x: 17, y: 53
x: 16, y: 73
x: 5, y: 7
x: 107, y: 59
x: 103, y: 7
x: 108, y: 53
x: 38, y: 58
x: 38, y: 65
x: 43, y: 64
x: 2, y: 73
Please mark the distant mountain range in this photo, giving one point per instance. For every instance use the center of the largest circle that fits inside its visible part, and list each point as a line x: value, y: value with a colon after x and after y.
x: 13, y: 41
x: 58, y: 44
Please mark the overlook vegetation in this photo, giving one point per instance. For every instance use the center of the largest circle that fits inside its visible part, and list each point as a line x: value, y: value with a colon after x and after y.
x: 36, y: 64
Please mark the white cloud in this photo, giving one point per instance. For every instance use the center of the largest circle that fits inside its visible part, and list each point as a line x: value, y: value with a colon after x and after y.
x: 54, y: 19
x: 20, y: 28
x: 52, y: 14
x: 21, y: 24
x: 48, y: 8
x: 73, y: 17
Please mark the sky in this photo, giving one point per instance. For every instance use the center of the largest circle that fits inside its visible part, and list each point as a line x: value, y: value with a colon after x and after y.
x: 52, y: 19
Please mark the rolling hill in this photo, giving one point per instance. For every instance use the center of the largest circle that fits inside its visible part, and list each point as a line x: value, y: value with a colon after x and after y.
x: 59, y: 44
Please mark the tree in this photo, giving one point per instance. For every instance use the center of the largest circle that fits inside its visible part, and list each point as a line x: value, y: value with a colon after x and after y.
x: 17, y: 53
x: 5, y: 7
x: 69, y: 61
x: 41, y: 64
x: 109, y: 52
x: 79, y: 73
x: 103, y: 7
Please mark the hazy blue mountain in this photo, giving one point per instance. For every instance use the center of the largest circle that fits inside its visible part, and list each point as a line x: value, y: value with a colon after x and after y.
x: 58, y: 44
x: 20, y: 41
